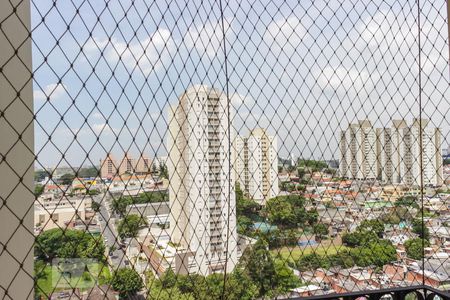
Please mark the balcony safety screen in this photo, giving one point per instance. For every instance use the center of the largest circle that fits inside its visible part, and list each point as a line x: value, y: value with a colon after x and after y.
x: 224, y: 149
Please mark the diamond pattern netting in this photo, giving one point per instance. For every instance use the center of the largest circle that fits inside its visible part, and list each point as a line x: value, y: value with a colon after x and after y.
x: 227, y: 150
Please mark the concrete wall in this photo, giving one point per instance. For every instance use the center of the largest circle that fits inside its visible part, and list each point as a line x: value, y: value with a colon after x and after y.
x: 16, y: 149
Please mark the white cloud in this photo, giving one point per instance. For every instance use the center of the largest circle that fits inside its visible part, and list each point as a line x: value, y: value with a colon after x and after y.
x: 342, y: 79
x: 53, y: 91
x: 238, y: 100
x: 284, y: 34
x: 97, y: 115
x: 208, y: 38
x: 387, y: 31
x: 95, y: 44
x: 102, y: 128
x: 148, y: 55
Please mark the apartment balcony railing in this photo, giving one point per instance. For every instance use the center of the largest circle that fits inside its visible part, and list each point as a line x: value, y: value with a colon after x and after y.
x: 415, y: 292
x: 342, y: 106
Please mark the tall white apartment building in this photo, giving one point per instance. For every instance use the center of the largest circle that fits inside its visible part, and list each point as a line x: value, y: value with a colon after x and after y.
x: 398, y: 154
x: 256, y: 165
x: 391, y: 151
x: 201, y: 189
x: 358, y: 147
x: 432, y: 163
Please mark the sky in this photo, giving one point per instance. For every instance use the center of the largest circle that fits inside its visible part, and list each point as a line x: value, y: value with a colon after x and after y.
x: 106, y: 71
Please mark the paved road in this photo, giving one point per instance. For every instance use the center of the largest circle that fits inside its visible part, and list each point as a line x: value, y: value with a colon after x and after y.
x: 109, y: 233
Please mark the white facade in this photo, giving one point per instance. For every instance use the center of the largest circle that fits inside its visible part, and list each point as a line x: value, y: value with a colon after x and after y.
x: 256, y: 165
x: 432, y: 163
x: 358, y: 146
x: 391, y: 151
x: 396, y: 158
x: 201, y: 189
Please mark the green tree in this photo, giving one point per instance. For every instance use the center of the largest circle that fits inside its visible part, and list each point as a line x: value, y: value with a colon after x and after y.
x: 259, y: 264
x: 95, y: 206
x: 376, y: 253
x: 283, y: 186
x: 368, y: 231
x: 301, y: 172
x: 89, y: 172
x: 271, y: 277
x: 119, y: 205
x: 38, y: 190
x: 129, y: 226
x: 240, y: 286
x: 127, y: 282
x: 285, y: 278
x: 418, y: 227
x: 163, y: 172
x: 244, y: 225
x: 68, y: 243
x: 312, y: 261
x: 40, y: 175
x: 376, y: 226
x: 313, y: 165
x: 280, y: 212
x: 289, y: 212
x: 407, y: 201
x: 67, y: 179
x: 414, y: 248
x: 244, y: 206
x: 320, y: 230
x: 158, y: 293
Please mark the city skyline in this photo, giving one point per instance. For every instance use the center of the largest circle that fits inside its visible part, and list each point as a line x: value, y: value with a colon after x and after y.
x: 302, y: 96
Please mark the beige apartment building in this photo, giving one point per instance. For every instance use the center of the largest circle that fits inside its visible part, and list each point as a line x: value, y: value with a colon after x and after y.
x: 58, y: 212
x: 256, y: 165
x: 201, y: 189
x: 110, y: 167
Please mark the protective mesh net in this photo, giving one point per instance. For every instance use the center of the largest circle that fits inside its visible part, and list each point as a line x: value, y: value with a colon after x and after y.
x: 228, y: 150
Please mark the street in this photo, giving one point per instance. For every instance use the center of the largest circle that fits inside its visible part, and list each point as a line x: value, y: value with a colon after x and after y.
x: 109, y: 233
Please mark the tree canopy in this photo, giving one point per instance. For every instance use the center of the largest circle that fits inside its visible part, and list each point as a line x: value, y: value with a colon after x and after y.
x: 127, y: 282
x: 88, y: 172
x: 314, y: 165
x: 119, y: 205
x: 67, y: 178
x: 68, y: 243
x: 272, y: 277
x: 238, y: 285
x: 129, y: 226
x: 414, y: 248
x: 419, y: 228
x: 407, y: 201
x: 368, y: 231
x: 290, y: 212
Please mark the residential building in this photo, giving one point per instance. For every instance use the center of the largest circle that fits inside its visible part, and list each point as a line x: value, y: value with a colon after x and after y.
x: 358, y: 151
x: 201, y: 189
x: 431, y: 162
x: 394, y: 155
x: 110, y: 167
x: 127, y: 164
x: 390, y: 148
x: 59, y: 212
x: 256, y: 165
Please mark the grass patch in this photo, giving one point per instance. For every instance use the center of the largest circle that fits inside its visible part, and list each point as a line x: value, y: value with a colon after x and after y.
x: 294, y: 253
x: 50, y: 280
